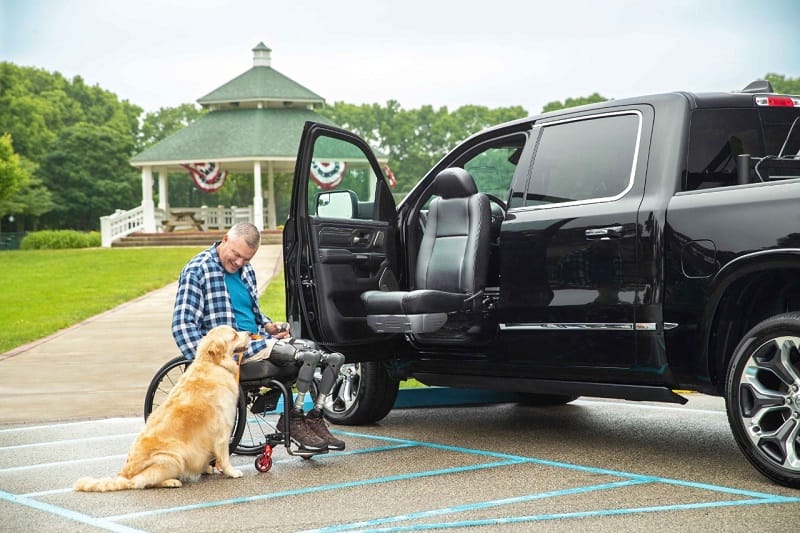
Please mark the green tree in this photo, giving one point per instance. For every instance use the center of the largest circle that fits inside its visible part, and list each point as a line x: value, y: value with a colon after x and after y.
x: 782, y: 84
x: 88, y: 173
x: 572, y: 102
x: 39, y: 108
x: 164, y: 122
x: 414, y: 140
x: 12, y: 175
x: 28, y: 204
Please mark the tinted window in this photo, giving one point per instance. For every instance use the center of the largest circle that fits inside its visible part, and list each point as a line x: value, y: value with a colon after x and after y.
x: 589, y: 159
x: 717, y: 136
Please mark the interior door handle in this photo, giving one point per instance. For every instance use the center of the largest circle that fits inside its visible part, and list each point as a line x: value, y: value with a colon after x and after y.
x: 604, y: 234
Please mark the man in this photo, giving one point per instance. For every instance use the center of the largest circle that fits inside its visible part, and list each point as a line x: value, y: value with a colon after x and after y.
x: 218, y: 287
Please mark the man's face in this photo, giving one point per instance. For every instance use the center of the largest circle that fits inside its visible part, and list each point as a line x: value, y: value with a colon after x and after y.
x: 234, y: 253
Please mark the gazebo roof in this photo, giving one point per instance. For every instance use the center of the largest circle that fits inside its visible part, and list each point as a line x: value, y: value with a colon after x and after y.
x: 234, y: 138
x: 258, y: 115
x: 262, y: 85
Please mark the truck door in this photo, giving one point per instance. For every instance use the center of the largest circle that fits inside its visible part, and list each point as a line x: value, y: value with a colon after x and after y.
x: 569, y: 273
x: 337, y: 240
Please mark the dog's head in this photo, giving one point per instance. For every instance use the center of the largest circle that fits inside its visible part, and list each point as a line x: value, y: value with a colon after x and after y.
x: 219, y: 345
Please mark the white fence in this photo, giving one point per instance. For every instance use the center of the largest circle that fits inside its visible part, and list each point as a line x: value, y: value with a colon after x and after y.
x: 123, y: 223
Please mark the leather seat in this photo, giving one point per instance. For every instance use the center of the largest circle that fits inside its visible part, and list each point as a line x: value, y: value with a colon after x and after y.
x: 452, y: 262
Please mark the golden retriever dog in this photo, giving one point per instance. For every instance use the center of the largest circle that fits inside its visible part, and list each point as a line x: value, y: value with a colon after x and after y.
x: 191, y: 427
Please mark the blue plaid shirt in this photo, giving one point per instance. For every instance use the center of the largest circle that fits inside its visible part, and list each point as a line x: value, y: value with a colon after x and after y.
x: 202, y: 303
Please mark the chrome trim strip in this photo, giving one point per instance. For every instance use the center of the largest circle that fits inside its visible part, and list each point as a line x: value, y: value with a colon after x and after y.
x: 584, y: 326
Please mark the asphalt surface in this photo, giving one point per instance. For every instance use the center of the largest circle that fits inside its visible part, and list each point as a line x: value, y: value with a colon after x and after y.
x: 71, y: 405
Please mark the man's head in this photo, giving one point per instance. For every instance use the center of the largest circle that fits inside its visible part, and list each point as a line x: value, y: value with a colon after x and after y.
x: 238, y: 246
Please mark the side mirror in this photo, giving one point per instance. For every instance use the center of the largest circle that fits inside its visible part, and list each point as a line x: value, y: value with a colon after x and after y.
x: 336, y: 204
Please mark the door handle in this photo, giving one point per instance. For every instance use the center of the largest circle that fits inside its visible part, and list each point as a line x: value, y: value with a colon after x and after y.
x: 604, y: 234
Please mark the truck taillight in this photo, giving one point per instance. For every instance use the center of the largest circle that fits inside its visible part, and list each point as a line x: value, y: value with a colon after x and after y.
x: 778, y: 101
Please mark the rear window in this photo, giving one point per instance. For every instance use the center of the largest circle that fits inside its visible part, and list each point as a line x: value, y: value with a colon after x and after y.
x: 718, y: 136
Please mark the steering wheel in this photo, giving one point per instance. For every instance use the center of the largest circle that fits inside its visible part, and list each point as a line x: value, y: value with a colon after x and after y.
x: 498, y: 209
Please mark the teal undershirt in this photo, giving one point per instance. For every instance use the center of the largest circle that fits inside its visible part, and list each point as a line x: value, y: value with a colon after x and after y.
x: 241, y: 302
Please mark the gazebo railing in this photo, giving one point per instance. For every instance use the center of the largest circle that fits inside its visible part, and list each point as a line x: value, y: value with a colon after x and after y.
x: 122, y: 223
x: 222, y: 217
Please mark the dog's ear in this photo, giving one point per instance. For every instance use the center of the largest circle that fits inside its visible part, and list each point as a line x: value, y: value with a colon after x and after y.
x: 216, y: 350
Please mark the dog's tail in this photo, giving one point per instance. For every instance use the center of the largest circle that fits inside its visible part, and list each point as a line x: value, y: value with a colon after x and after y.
x: 107, y: 484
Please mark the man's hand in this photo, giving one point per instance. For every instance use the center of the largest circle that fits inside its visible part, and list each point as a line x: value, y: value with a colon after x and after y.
x: 279, y: 330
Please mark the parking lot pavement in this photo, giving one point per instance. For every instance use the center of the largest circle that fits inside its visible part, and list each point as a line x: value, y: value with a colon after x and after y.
x: 594, y: 465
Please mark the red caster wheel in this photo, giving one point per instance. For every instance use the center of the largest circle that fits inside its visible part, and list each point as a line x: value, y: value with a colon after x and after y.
x: 264, y: 460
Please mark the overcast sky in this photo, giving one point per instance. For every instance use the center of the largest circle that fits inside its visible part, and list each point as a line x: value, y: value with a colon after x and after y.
x: 162, y: 53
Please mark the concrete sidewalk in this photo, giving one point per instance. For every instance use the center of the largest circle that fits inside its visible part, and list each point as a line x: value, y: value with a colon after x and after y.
x: 102, y: 366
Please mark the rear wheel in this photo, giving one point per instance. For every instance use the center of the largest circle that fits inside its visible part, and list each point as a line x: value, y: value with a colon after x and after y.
x: 166, y: 378
x: 762, y: 396
x: 363, y: 394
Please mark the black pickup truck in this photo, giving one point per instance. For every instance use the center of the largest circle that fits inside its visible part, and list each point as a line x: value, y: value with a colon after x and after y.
x: 628, y: 249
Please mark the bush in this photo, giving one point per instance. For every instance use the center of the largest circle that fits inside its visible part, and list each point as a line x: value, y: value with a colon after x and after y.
x: 60, y: 239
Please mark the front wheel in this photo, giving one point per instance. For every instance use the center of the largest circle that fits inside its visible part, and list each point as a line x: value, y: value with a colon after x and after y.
x: 363, y: 394
x: 762, y: 397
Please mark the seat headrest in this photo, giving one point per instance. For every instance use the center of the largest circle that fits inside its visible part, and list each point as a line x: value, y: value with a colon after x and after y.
x: 454, y: 182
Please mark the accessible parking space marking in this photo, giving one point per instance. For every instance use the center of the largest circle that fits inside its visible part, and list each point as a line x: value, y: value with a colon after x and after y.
x: 434, y: 518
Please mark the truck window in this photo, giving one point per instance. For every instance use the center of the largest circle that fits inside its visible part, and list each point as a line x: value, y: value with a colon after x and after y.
x: 590, y: 159
x: 717, y: 136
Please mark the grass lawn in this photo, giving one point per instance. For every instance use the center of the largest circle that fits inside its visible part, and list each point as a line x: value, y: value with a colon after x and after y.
x: 43, y: 291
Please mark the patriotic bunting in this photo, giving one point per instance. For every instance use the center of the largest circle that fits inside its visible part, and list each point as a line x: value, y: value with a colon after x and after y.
x: 208, y: 177
x: 389, y: 176
x: 328, y: 174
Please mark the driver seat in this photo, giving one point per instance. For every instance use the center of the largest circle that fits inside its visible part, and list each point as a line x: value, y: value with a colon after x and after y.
x: 452, y: 262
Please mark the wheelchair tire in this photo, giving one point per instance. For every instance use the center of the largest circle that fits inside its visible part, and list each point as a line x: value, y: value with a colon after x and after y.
x: 166, y: 378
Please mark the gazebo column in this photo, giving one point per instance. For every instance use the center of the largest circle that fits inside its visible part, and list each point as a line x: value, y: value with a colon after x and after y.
x: 271, y: 196
x: 163, y: 190
x: 258, y: 197
x: 148, y: 210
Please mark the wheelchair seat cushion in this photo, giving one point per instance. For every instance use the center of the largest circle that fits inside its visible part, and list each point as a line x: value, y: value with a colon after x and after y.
x: 258, y: 370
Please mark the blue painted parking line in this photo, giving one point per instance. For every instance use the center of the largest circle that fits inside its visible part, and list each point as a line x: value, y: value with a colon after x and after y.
x: 82, y: 518
x: 757, y: 498
x: 436, y: 518
x: 311, y: 490
x: 504, y: 460
x: 554, y: 516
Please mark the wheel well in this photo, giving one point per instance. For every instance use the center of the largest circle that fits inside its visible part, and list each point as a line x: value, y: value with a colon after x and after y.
x: 746, y: 302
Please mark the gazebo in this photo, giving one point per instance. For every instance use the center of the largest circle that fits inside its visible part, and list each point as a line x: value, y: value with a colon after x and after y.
x: 253, y: 125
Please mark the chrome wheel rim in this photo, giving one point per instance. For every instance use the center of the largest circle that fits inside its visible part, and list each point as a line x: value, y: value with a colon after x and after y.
x: 345, y: 391
x: 769, y: 401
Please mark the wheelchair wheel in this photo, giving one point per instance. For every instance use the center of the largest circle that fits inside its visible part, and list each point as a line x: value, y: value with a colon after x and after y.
x: 166, y: 378
x: 263, y: 407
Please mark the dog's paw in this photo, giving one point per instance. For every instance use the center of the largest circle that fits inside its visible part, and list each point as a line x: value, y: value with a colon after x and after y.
x: 233, y: 473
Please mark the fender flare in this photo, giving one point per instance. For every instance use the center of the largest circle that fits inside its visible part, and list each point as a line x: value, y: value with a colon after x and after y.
x: 731, y: 272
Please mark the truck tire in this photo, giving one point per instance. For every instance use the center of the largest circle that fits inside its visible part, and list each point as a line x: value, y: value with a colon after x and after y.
x: 363, y: 394
x: 762, y: 397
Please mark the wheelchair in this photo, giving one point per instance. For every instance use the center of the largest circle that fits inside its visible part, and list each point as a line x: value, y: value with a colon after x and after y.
x: 261, y: 385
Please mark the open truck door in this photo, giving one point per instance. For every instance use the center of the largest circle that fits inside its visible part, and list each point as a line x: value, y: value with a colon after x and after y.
x: 339, y: 240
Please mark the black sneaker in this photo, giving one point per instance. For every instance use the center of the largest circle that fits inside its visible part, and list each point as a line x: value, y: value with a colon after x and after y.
x: 316, y: 422
x: 301, y: 434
